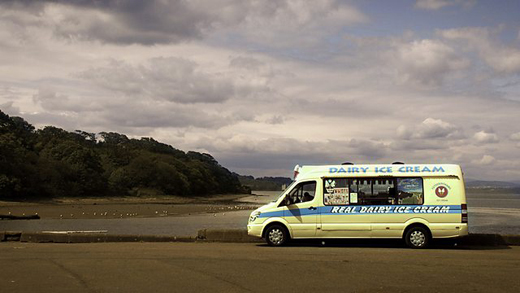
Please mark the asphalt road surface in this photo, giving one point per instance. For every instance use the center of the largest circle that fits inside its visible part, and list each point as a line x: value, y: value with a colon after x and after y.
x: 230, y: 267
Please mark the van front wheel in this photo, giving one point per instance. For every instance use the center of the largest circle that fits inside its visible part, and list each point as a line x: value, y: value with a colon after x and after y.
x: 417, y: 237
x: 276, y: 235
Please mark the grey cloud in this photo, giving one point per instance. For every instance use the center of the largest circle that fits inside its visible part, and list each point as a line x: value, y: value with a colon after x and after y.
x: 275, y: 119
x: 8, y: 93
x: 171, y: 79
x: 298, y: 151
x: 248, y: 63
x: 418, y: 145
x: 158, y: 21
x: 137, y: 117
x: 69, y: 122
x: 336, y: 107
x: 8, y: 108
x: 125, y: 22
x: 51, y: 100
x: 366, y: 149
x: 148, y: 115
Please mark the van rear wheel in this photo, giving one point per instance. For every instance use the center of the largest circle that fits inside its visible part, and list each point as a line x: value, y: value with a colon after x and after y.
x: 417, y: 237
x: 276, y: 235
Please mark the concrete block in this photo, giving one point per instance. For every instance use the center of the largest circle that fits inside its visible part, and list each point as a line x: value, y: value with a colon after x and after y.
x: 86, y: 237
x: 11, y: 235
x: 37, y: 237
x: 511, y: 240
x: 122, y: 238
x: 226, y: 235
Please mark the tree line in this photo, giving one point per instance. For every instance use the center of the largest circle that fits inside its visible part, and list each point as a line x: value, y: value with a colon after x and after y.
x: 265, y: 183
x: 52, y: 162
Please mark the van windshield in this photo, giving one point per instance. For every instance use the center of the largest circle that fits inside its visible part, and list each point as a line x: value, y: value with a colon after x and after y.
x: 283, y: 192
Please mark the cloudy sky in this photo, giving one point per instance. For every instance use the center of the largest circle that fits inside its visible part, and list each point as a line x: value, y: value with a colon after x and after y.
x: 265, y: 85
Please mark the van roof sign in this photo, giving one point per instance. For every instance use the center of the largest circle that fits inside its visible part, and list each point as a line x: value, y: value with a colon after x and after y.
x: 381, y: 170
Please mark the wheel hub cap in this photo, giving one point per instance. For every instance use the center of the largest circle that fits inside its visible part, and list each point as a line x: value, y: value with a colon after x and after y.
x: 276, y: 236
x: 417, y: 238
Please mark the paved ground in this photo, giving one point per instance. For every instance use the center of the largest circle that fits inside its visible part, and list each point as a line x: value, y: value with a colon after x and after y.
x: 228, y: 267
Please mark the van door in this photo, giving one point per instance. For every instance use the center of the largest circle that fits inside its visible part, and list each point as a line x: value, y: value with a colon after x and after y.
x: 301, y: 210
x: 341, y: 215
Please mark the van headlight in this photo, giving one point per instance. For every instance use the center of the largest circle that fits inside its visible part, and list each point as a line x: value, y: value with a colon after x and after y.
x: 254, y: 216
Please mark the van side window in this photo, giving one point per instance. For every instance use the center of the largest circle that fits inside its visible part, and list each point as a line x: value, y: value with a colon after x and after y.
x: 373, y: 191
x: 410, y: 191
x: 383, y: 191
x: 303, y: 192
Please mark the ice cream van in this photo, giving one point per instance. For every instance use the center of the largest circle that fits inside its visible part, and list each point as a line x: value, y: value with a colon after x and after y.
x: 408, y: 201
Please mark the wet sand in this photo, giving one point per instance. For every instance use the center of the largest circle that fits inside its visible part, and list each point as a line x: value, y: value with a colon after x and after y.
x: 131, y: 207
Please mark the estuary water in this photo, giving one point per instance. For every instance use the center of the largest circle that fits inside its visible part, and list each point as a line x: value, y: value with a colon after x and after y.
x: 489, y: 212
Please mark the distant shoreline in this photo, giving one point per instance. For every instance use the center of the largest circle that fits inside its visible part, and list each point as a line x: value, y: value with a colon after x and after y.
x: 131, y: 207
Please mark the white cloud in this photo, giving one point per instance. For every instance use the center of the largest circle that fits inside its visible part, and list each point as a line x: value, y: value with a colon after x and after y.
x: 515, y: 136
x: 439, y: 4
x: 486, y: 160
x: 432, y: 4
x: 430, y: 128
x: 427, y: 62
x: 502, y: 58
x: 485, y: 137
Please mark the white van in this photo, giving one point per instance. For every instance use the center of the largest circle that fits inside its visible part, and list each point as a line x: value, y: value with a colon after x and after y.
x: 413, y: 202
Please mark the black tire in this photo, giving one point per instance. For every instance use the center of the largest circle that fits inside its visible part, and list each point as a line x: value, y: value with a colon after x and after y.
x: 417, y: 237
x: 276, y: 235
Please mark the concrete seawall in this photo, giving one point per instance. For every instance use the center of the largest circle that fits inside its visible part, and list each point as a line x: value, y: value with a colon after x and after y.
x: 209, y: 235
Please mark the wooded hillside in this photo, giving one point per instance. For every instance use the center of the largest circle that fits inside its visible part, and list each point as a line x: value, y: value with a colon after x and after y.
x: 53, y: 162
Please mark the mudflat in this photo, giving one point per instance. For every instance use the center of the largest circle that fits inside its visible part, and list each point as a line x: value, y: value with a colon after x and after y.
x: 131, y: 207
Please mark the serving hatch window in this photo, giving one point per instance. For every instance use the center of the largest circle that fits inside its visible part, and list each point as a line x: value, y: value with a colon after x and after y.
x: 372, y: 191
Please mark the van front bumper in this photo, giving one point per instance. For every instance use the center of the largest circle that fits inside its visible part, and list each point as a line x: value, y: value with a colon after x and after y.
x: 254, y: 230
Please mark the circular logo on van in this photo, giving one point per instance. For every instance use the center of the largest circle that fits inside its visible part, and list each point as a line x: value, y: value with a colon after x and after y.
x: 441, y: 191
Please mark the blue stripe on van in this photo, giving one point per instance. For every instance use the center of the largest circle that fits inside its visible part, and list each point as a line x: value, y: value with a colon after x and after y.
x: 271, y: 214
x: 369, y: 209
x: 390, y: 209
